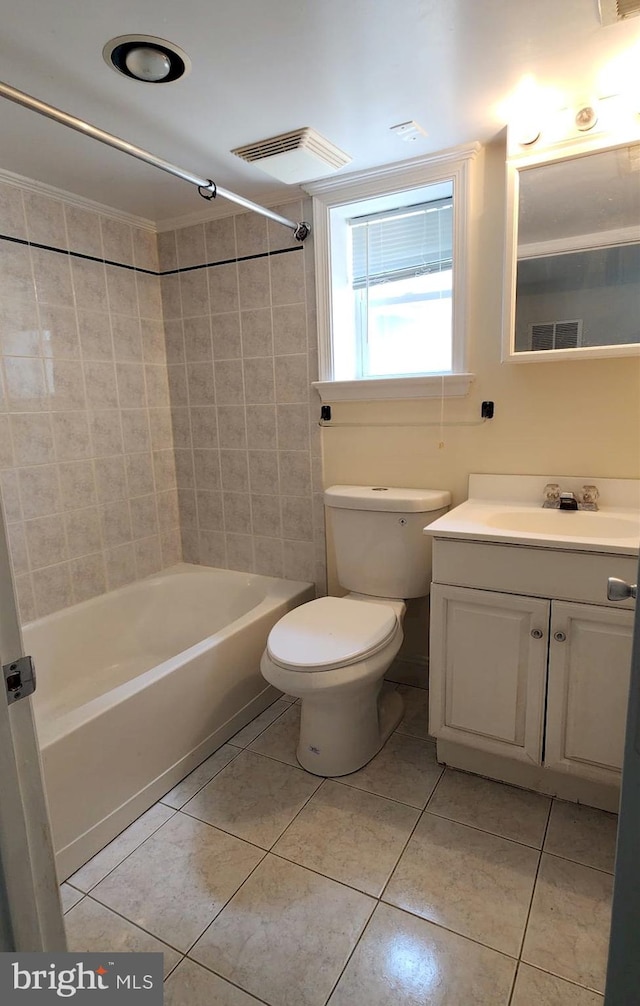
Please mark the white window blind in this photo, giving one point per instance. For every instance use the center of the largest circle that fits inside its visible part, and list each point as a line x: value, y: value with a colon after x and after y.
x: 409, y: 241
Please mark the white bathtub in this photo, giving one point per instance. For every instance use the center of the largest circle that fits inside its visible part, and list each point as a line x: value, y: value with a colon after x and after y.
x: 137, y: 687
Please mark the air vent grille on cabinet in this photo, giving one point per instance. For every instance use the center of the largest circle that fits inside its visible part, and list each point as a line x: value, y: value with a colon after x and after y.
x: 612, y: 11
x: 293, y: 157
x: 556, y: 335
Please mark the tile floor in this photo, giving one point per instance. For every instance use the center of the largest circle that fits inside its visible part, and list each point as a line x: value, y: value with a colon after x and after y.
x: 400, y: 885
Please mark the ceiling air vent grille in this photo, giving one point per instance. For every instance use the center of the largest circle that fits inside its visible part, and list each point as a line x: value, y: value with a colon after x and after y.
x: 612, y: 11
x: 556, y: 335
x: 297, y: 156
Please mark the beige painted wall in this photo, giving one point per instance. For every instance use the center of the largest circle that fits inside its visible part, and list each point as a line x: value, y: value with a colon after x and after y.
x: 564, y: 417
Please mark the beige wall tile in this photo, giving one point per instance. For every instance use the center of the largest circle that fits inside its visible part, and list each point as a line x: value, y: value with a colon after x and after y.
x: 149, y: 296
x: 6, y: 447
x: 39, y: 490
x: 52, y: 589
x: 19, y: 330
x: 24, y: 384
x: 16, y: 277
x: 127, y: 342
x: 82, y: 528
x: 220, y: 239
x: 17, y: 541
x: 95, y: 335
x: 45, y: 219
x: 106, y: 428
x: 148, y: 556
x: 174, y: 341
x: 259, y: 381
x: 145, y: 249
x: 290, y: 329
x: 265, y: 516
x: 287, y: 278
x: 88, y: 576
x: 139, y: 470
x: 237, y: 513
x: 257, y: 335
x: 225, y: 334
x: 130, y: 378
x: 232, y: 432
x: 153, y: 341
x: 299, y: 560
x: 190, y: 245
x: 77, y: 484
x: 223, y: 289
x: 197, y: 339
x: 89, y: 284
x: 10, y: 495
x: 121, y: 288
x: 120, y: 566
x: 194, y: 293
x: 12, y: 216
x: 117, y: 240
x: 59, y: 332
x: 251, y: 234
x: 83, y: 230
x: 64, y: 385
x: 111, y: 483
x: 240, y: 552
x: 144, y: 516
x: 292, y: 383
x: 167, y: 250
x: 213, y: 549
x: 25, y: 598
x: 100, y: 384
x: 254, y: 283
x: 115, y: 523
x: 32, y: 438
x: 261, y: 427
x: 53, y: 277
x: 46, y: 541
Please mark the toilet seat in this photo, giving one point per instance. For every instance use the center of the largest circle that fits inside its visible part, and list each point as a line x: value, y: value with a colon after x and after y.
x: 330, y: 632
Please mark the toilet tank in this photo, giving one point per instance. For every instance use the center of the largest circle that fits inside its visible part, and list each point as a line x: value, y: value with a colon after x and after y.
x: 377, y: 532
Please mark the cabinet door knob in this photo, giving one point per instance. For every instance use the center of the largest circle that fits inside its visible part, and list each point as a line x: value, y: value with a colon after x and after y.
x: 537, y: 633
x: 559, y: 636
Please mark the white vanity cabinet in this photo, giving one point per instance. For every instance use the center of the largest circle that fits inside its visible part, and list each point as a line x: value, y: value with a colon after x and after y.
x: 488, y: 669
x: 588, y: 687
x: 527, y: 688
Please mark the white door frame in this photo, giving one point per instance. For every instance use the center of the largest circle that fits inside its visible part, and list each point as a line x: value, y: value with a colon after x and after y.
x: 30, y: 910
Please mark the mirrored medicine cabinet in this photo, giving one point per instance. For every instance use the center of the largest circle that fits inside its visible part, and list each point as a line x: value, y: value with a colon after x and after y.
x: 572, y: 266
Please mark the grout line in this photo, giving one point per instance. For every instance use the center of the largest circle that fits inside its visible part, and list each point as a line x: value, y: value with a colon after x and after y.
x: 214, y: 776
x: 535, y: 883
x: 165, y: 943
x: 170, y: 972
x: 93, y: 886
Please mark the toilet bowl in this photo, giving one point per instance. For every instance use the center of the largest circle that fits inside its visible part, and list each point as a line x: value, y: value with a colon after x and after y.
x: 333, y: 653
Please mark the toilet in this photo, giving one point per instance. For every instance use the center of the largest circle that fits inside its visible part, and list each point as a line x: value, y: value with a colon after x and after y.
x: 333, y: 653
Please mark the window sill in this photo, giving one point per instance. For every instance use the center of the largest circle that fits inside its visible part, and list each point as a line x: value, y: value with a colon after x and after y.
x: 375, y: 389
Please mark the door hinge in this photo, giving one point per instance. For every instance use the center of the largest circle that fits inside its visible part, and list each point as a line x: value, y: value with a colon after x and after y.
x: 19, y: 678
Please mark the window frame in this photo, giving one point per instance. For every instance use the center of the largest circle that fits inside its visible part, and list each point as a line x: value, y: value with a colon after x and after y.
x: 455, y: 166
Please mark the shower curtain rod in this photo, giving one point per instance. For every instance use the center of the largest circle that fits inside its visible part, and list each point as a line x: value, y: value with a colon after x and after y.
x: 206, y: 188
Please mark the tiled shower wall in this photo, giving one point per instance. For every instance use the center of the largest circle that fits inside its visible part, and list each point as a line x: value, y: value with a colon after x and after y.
x: 86, y: 451
x: 239, y: 308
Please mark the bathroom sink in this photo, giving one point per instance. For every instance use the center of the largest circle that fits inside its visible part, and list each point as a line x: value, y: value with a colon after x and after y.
x: 573, y: 523
x: 610, y: 529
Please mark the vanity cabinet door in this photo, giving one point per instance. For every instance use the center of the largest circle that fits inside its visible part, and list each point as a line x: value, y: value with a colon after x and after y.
x: 487, y: 670
x: 589, y: 669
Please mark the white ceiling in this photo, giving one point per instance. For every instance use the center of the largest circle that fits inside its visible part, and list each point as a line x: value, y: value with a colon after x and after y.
x: 349, y: 68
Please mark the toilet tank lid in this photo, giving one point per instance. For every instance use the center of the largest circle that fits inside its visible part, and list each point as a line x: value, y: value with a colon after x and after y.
x: 390, y: 498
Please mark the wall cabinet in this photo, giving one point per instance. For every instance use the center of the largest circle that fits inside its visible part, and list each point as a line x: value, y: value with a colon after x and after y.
x: 541, y: 681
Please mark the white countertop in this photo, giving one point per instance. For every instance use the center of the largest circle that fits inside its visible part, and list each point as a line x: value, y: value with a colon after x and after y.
x: 508, y: 510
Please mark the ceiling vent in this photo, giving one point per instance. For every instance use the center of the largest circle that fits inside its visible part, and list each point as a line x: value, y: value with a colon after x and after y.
x: 294, y: 157
x: 612, y: 11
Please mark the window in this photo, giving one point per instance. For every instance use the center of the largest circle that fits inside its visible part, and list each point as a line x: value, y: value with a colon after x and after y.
x: 390, y: 267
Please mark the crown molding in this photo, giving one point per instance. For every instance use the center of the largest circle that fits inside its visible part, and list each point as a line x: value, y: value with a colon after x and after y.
x: 403, y: 172
x: 32, y: 185
x: 218, y: 208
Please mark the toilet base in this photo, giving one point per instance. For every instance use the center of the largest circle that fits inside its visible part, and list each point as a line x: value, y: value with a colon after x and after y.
x: 339, y: 737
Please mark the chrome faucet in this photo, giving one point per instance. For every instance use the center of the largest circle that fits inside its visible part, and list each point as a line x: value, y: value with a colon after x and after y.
x: 556, y: 500
x: 568, y: 501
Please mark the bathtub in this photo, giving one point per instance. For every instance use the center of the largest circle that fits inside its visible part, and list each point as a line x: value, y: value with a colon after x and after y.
x: 137, y: 687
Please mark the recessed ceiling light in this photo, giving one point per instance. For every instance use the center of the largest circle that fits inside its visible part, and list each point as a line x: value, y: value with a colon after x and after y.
x: 143, y: 57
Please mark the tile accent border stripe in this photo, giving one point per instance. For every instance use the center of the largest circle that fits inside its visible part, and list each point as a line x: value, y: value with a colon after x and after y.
x: 148, y: 272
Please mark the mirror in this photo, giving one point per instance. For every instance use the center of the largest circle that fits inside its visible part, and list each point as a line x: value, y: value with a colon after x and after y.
x: 576, y: 254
